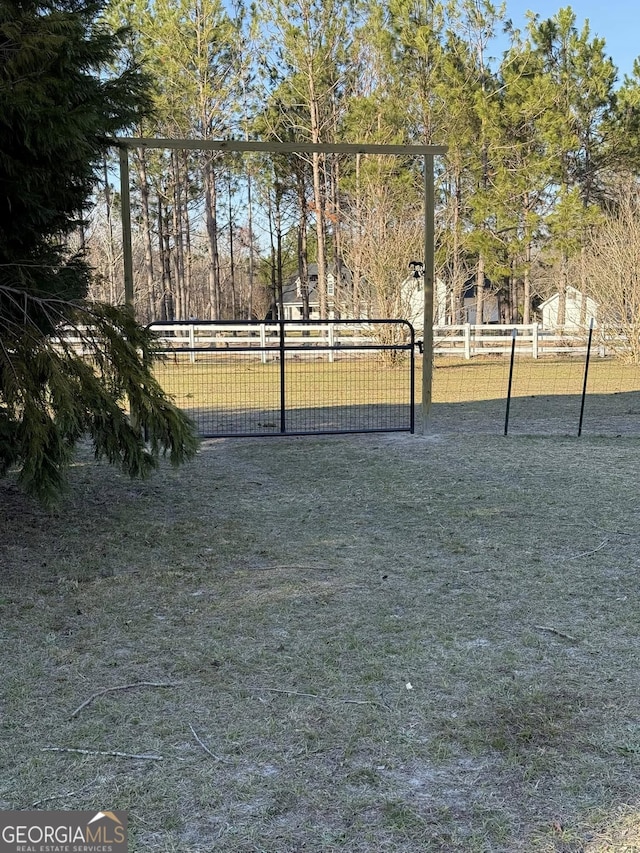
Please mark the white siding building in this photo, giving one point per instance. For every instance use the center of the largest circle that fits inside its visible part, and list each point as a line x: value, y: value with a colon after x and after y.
x: 573, y: 310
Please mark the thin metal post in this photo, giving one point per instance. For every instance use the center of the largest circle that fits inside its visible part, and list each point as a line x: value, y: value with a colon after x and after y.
x: 125, y: 204
x: 513, y: 357
x: 429, y: 276
x: 283, y: 416
x: 586, y: 376
x: 412, y: 381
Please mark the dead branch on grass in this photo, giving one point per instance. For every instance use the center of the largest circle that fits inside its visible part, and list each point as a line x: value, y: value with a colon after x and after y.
x: 206, y: 748
x: 289, y: 568
x: 64, y: 796
x: 613, y: 532
x: 585, y: 553
x: 121, y: 687
x: 112, y: 753
x: 557, y: 633
x: 321, y: 697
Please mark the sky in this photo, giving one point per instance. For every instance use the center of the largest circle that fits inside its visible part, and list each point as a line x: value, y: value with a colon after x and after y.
x: 617, y: 21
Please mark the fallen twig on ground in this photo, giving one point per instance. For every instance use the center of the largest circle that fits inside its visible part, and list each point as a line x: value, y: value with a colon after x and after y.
x: 65, y: 795
x: 585, y: 553
x: 321, y: 697
x: 205, y: 747
x: 113, y: 753
x: 121, y: 687
x: 555, y: 631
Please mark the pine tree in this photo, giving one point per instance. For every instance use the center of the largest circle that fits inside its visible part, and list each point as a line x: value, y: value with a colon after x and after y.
x: 582, y: 77
x: 58, y: 111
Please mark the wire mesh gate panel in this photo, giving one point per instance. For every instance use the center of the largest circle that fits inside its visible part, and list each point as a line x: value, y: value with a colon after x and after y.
x: 289, y: 378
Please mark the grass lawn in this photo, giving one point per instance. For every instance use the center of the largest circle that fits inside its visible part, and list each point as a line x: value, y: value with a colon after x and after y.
x: 357, y: 643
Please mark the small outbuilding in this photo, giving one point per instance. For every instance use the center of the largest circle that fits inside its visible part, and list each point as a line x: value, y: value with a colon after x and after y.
x: 575, y: 317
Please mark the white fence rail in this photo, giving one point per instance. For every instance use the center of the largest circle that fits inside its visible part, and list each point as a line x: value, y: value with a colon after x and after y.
x: 469, y: 340
x: 463, y: 341
x: 263, y: 336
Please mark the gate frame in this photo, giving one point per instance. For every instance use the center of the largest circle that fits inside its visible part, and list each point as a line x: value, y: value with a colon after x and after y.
x: 428, y: 152
x: 281, y: 349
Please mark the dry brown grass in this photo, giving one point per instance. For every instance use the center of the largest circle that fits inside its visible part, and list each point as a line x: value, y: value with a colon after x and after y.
x: 291, y: 591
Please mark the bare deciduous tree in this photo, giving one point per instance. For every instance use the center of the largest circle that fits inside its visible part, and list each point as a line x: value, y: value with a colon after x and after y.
x: 612, y: 263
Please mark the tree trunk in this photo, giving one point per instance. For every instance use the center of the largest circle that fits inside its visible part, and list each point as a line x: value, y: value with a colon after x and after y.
x: 212, y: 238
x: 514, y: 288
x: 480, y: 290
x: 164, y: 248
x: 337, y: 237
x: 583, y: 285
x: 113, y: 298
x: 279, y: 273
x: 526, y: 309
x: 320, y: 236
x: 232, y: 263
x: 146, y: 234
x: 190, y: 308
x: 317, y: 163
x: 250, y: 239
x: 457, y: 274
x: 303, y: 258
x: 357, y: 261
x: 178, y: 242
x: 273, y: 309
x: 562, y: 293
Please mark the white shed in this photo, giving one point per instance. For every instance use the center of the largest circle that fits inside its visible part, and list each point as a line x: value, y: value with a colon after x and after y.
x: 412, y: 298
x: 573, y: 310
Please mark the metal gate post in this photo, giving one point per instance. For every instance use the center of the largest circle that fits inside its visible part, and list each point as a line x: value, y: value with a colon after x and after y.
x: 412, y: 383
x: 283, y: 416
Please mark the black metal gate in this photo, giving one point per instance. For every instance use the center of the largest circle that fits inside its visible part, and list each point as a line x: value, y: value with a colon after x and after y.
x: 290, y: 378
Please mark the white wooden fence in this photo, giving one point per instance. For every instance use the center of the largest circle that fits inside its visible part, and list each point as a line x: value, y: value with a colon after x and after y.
x: 463, y: 341
x: 263, y: 336
x: 469, y: 340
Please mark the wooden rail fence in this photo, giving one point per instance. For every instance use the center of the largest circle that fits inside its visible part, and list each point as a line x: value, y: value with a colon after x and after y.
x: 461, y: 341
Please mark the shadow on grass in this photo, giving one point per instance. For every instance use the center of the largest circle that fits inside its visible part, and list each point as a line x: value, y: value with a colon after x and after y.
x: 604, y: 415
x: 612, y: 415
x: 537, y: 725
x: 214, y: 423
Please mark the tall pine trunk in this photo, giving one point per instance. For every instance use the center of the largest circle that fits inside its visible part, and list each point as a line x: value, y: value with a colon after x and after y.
x: 480, y: 290
x: 110, y: 248
x: 303, y: 258
x: 185, y: 230
x: 250, y: 239
x: 178, y: 241
x: 164, y: 248
x: 146, y: 234
x: 212, y: 238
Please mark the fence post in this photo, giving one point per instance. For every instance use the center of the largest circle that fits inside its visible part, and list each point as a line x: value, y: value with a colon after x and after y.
x: 192, y: 343
x: 331, y: 340
x: 586, y: 375
x: 514, y: 333
x: 534, y: 342
x: 467, y: 341
x: 283, y: 404
x: 263, y: 343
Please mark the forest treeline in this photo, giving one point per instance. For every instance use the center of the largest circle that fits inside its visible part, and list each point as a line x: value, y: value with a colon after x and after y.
x: 537, y: 192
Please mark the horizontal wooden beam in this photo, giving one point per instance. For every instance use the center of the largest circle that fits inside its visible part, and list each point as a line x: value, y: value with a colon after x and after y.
x: 278, y: 147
